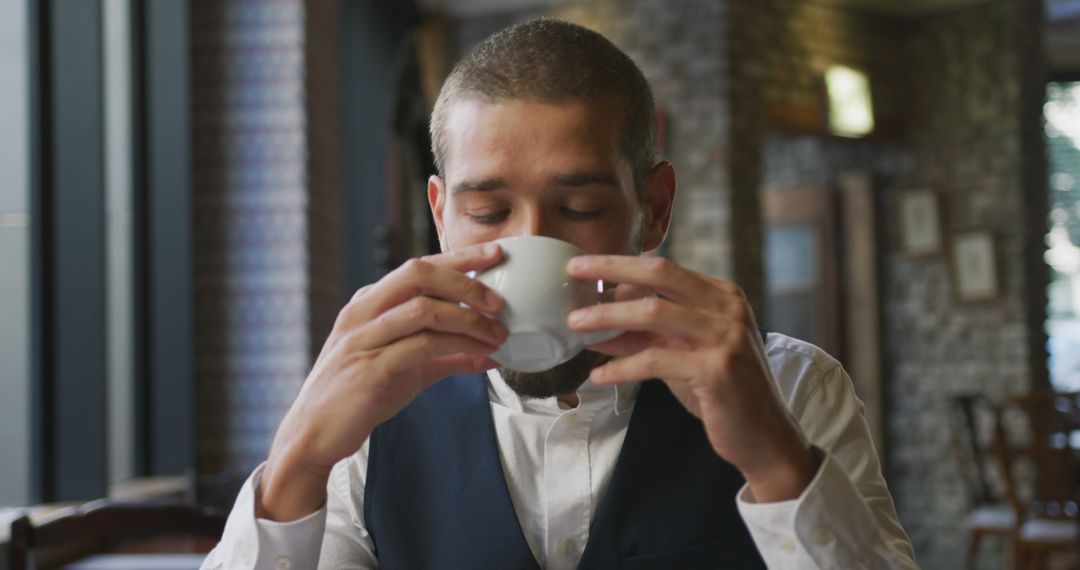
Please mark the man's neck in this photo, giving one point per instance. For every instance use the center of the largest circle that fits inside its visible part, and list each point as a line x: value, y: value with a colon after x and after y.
x: 571, y: 400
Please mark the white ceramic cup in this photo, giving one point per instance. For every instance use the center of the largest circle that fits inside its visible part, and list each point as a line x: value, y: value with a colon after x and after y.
x: 539, y: 294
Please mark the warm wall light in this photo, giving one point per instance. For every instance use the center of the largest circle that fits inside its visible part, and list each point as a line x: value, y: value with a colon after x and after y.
x: 851, y: 113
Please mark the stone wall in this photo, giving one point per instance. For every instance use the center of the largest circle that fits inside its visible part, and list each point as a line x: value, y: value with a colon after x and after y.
x: 967, y: 137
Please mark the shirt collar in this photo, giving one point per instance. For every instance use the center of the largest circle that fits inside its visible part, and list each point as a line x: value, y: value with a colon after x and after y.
x: 620, y: 397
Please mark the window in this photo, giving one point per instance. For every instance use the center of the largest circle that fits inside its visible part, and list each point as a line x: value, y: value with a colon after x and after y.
x: 15, y: 229
x: 1062, y: 114
x: 107, y: 391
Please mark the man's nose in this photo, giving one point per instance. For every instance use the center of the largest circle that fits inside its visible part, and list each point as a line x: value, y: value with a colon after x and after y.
x: 531, y: 222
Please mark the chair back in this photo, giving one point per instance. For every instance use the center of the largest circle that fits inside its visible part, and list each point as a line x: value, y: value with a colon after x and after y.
x: 1041, y: 430
x: 104, y: 525
x: 972, y: 417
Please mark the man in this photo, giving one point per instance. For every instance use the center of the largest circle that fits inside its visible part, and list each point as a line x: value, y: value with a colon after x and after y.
x: 408, y: 447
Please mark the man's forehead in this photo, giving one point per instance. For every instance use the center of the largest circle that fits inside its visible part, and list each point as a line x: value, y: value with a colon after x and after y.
x: 493, y: 131
x: 469, y: 111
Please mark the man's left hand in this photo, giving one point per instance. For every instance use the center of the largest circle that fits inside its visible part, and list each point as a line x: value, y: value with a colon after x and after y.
x: 698, y: 334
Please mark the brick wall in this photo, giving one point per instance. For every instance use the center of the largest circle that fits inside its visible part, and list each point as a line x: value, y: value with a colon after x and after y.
x: 681, y: 49
x: 252, y: 208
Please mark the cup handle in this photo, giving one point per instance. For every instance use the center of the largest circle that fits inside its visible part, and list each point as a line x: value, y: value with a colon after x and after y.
x: 603, y: 295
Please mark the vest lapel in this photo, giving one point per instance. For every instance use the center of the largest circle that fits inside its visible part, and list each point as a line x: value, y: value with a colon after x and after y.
x: 670, y: 494
x: 436, y: 495
x: 492, y: 493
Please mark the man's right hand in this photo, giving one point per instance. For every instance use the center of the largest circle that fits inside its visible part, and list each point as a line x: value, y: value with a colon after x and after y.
x: 394, y: 338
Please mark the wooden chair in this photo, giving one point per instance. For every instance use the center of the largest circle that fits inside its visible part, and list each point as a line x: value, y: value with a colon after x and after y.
x: 1040, y: 431
x: 106, y: 526
x: 972, y: 418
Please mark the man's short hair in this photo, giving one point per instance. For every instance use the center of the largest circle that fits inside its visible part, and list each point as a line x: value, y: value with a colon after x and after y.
x: 553, y: 61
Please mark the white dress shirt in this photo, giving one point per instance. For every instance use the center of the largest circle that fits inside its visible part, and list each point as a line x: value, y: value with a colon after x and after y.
x: 559, y: 460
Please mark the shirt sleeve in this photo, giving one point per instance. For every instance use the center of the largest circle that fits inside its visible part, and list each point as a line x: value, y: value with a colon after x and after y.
x: 331, y: 537
x: 845, y: 518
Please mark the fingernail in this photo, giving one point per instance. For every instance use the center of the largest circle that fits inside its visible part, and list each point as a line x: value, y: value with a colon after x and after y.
x: 576, y: 317
x: 578, y: 263
x: 491, y: 248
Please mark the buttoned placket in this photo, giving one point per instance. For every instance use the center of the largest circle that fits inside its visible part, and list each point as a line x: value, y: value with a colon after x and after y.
x: 568, y: 487
x: 567, y: 477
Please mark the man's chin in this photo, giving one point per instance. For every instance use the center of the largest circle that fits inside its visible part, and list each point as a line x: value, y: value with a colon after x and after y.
x: 565, y: 378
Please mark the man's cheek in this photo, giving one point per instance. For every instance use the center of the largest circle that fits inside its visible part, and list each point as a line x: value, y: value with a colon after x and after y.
x: 459, y: 237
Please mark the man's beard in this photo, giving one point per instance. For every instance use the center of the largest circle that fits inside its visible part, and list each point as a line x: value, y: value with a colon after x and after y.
x: 565, y: 378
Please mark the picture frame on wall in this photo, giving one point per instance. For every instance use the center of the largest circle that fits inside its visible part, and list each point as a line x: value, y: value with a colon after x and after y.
x: 973, y: 263
x: 919, y: 223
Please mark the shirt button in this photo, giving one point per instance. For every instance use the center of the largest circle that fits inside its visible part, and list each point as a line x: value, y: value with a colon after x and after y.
x: 282, y: 563
x: 566, y: 547
x: 787, y: 545
x: 822, y: 536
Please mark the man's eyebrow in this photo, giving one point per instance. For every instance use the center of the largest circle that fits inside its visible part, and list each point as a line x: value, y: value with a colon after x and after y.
x: 575, y: 179
x: 486, y: 185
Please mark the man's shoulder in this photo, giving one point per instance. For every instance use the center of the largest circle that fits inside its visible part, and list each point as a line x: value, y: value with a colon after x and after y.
x: 780, y: 347
x: 798, y: 366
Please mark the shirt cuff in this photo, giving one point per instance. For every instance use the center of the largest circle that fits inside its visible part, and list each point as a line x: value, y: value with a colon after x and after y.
x: 828, y: 526
x: 257, y: 544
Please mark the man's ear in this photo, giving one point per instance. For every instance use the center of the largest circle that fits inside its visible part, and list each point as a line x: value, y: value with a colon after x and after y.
x: 657, y: 202
x: 436, y: 195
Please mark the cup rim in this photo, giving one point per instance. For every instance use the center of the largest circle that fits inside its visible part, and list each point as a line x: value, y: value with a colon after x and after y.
x: 556, y: 241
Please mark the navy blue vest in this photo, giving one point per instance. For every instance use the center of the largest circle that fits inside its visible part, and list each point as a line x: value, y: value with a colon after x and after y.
x: 436, y: 496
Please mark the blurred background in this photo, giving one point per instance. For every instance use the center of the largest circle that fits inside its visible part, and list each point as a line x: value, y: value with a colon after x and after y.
x: 191, y: 189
